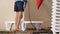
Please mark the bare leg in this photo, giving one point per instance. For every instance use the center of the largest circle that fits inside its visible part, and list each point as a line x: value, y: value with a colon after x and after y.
x: 18, y: 20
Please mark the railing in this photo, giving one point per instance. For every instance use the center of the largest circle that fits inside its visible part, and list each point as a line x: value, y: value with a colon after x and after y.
x: 55, y: 16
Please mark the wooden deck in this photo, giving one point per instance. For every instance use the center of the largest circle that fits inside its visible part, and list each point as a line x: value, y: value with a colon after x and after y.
x: 42, y: 31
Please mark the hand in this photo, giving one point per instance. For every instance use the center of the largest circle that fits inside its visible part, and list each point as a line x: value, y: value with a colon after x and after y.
x: 25, y: 4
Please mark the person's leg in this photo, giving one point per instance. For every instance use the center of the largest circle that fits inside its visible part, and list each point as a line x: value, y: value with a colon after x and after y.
x: 18, y: 19
x: 18, y: 8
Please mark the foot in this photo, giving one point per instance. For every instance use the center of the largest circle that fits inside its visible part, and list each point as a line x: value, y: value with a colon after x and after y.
x: 18, y: 29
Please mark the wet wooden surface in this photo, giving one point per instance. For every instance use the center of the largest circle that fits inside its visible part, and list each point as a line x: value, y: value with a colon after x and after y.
x: 28, y: 31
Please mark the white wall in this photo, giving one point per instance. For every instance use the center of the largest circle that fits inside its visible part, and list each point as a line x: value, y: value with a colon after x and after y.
x: 43, y: 14
x: 6, y: 12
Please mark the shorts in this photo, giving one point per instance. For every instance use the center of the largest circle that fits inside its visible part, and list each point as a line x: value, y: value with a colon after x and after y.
x: 19, y: 6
